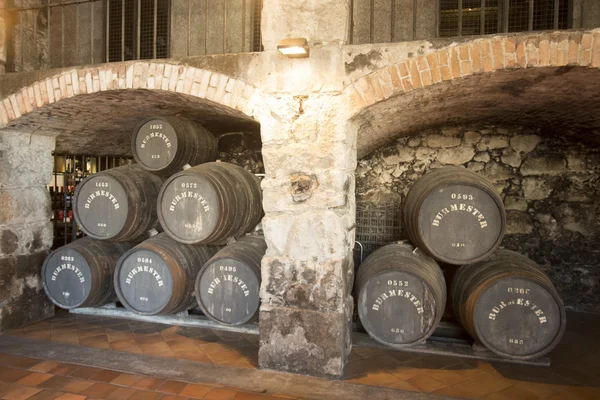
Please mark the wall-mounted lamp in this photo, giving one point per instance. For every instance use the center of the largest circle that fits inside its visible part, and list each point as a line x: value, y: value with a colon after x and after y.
x: 293, y: 48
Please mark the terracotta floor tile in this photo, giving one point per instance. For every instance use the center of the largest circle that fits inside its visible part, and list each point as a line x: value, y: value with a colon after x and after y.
x: 155, y: 347
x: 45, y: 366
x: 20, y: 393
x: 402, y: 385
x: 220, y: 394
x: 183, y: 345
x: 77, y: 386
x: 46, y: 395
x: 18, y: 361
x: 577, y: 393
x: 70, y: 396
x: 123, y: 344
x: 149, y: 339
x: 481, y: 386
x: 541, y: 390
x: 57, y: 383
x: 6, y: 387
x: 117, y: 336
x: 121, y: 393
x: 65, y: 369
x: 173, y: 397
x: 105, y: 376
x: 90, y: 333
x: 34, y: 379
x: 253, y: 396
x: 195, y: 391
x: 126, y: 379
x: 374, y: 378
x: 426, y: 383
x: 511, y: 393
x: 99, y: 390
x: 14, y: 375
x: 98, y: 342
x: 450, y: 391
x: 148, y: 383
x: 66, y: 339
x: 85, y: 372
x: 143, y: 395
x: 455, y: 374
x: 172, y: 387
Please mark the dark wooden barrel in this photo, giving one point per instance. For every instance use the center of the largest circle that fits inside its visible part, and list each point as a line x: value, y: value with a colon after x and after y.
x: 210, y: 203
x: 157, y: 276
x: 509, y: 305
x: 80, y: 274
x: 165, y: 144
x: 228, y: 284
x: 401, y: 295
x: 454, y: 215
x: 118, y: 204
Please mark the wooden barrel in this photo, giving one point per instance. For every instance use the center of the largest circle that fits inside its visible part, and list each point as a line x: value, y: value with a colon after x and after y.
x: 228, y: 284
x: 509, y: 305
x: 118, y: 204
x: 401, y: 295
x: 210, y: 203
x: 454, y: 215
x: 165, y: 144
x: 80, y: 274
x: 157, y: 276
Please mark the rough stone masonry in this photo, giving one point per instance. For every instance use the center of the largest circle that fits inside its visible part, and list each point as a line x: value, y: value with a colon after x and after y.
x: 549, y: 184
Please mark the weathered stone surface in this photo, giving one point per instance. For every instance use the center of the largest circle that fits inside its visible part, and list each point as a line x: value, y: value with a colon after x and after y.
x: 518, y: 223
x: 472, y: 137
x: 482, y: 156
x: 576, y: 162
x: 515, y: 203
x: 24, y: 205
x: 475, y: 166
x: 525, y: 143
x: 304, y: 341
x: 306, y: 285
x: 511, y: 158
x: 22, y: 298
x: 456, y: 156
x: 439, y: 141
x: 536, y: 189
x: 544, y: 164
x: 414, y: 141
x: 25, y: 239
x: 493, y: 142
x: 25, y: 159
x: 496, y: 172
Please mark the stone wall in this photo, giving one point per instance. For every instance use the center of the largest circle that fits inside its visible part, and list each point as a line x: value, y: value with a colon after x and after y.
x: 549, y: 184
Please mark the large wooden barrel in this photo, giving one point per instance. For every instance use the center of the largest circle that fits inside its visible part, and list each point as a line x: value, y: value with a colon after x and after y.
x: 80, y: 274
x: 210, y: 203
x: 228, y: 284
x: 165, y: 144
x: 401, y: 295
x: 454, y: 215
x: 509, y: 305
x: 157, y: 276
x: 118, y: 204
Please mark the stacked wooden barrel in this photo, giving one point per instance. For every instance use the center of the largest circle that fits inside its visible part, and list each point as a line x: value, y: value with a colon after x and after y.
x: 503, y: 300
x: 201, y: 208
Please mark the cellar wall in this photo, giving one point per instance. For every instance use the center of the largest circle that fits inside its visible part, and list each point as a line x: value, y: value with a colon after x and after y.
x: 549, y: 183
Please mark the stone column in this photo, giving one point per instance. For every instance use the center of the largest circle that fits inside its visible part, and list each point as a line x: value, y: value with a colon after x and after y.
x: 307, y: 273
x: 25, y: 228
x: 320, y: 22
x: 3, y: 36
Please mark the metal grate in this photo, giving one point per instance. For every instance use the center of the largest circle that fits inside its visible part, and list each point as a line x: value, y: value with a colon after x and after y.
x: 256, y: 21
x: 478, y: 17
x: 376, y: 225
x: 69, y: 171
x: 137, y: 29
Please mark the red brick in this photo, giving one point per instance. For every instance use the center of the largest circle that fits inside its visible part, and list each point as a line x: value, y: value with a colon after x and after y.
x: 393, y: 71
x: 414, y: 74
x: 476, y: 58
x: 9, y: 109
x: 596, y: 51
x: 422, y: 63
x: 355, y: 97
x: 464, y: 52
x: 487, y: 56
x: 426, y: 78
x: 510, y: 45
x: 544, y: 58
x: 465, y: 67
x: 446, y: 73
x: 563, y: 50
x: 574, y: 52
x: 3, y: 115
x: 376, y: 86
x: 21, y: 103
x: 362, y: 84
x: 434, y: 66
x: 498, y: 54
x: 522, y: 53
x: 454, y: 63
x: 407, y: 85
x: 403, y: 69
x: 443, y: 57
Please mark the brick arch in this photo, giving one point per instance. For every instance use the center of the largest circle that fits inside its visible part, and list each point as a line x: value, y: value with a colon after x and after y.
x: 71, y: 82
x: 516, y: 58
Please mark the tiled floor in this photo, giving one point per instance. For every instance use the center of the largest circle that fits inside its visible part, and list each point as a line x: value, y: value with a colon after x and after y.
x: 574, y: 374
x: 26, y: 378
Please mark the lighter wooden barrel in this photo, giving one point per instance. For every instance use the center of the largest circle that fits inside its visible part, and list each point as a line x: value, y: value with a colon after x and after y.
x: 164, y: 145
x: 454, y: 215
x: 227, y: 287
x: 210, y: 203
x: 118, y: 204
x: 157, y: 276
x: 80, y: 274
x: 401, y: 295
x: 509, y: 305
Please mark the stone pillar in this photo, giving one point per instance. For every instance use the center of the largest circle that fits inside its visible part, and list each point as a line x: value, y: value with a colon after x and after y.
x: 320, y: 22
x: 25, y: 229
x: 3, y: 36
x: 307, y: 273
